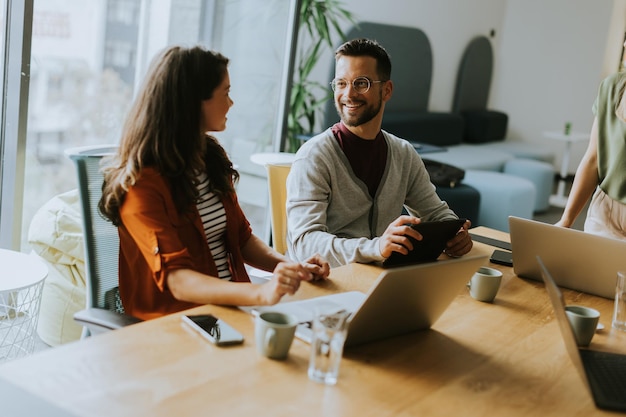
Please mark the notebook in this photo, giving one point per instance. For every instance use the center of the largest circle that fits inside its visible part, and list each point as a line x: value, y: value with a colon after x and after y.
x: 435, y: 235
x: 402, y: 300
x: 579, y: 261
x: 603, y: 373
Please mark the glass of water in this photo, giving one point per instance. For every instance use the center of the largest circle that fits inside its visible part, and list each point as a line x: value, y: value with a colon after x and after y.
x: 619, y: 314
x: 330, y: 326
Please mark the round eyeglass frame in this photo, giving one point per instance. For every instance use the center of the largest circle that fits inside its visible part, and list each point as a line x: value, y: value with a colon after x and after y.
x: 355, y: 87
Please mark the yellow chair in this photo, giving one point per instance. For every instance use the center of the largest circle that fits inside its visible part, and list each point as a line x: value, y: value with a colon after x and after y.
x: 277, y: 184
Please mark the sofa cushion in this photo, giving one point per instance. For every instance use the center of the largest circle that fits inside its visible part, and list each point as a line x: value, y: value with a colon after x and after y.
x: 519, y: 149
x: 472, y: 157
x: 55, y: 234
x: 434, y: 128
x: 484, y: 126
x: 463, y: 199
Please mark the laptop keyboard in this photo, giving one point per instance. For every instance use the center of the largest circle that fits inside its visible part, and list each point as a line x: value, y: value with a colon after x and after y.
x: 607, y: 376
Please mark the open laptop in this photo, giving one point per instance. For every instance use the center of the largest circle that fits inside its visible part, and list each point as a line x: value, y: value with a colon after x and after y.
x: 579, y: 261
x: 603, y: 373
x: 20, y: 402
x: 402, y: 300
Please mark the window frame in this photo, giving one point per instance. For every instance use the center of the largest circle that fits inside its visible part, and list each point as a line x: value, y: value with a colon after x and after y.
x: 13, y: 118
x: 14, y: 110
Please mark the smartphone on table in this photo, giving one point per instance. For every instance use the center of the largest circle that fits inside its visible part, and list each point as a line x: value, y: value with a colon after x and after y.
x: 213, y: 329
x: 502, y: 257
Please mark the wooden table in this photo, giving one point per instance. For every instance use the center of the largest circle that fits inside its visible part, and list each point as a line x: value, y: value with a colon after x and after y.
x: 500, y: 359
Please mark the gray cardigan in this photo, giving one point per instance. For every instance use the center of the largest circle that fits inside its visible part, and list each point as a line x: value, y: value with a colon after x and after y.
x: 330, y: 211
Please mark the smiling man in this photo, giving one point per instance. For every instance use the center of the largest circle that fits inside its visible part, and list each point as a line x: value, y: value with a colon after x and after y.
x: 348, y: 185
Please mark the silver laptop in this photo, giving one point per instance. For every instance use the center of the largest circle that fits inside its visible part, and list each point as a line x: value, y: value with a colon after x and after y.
x: 577, y: 260
x: 20, y: 402
x: 402, y: 300
x: 603, y: 373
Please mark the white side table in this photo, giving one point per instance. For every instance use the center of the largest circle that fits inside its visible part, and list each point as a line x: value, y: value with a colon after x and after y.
x: 264, y: 159
x: 21, y: 284
x: 272, y: 158
x: 560, y: 199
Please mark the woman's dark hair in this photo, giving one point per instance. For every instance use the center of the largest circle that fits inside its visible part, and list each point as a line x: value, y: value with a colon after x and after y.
x: 163, y: 131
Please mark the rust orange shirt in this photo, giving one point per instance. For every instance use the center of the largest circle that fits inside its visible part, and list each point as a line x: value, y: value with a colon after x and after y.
x: 155, y: 239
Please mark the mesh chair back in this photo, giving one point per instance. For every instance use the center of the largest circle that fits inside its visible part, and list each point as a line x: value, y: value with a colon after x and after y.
x: 100, y: 235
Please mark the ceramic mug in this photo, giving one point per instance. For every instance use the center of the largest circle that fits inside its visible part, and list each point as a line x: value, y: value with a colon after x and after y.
x: 274, y: 332
x: 584, y: 321
x: 485, y: 284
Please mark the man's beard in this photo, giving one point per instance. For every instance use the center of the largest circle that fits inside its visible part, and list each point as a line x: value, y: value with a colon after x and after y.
x: 370, y: 111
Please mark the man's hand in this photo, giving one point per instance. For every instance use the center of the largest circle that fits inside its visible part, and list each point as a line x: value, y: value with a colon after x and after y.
x: 395, y: 237
x: 318, y: 267
x: 461, y: 243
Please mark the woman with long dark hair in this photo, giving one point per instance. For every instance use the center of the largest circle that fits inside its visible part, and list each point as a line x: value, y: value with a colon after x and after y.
x: 184, y: 239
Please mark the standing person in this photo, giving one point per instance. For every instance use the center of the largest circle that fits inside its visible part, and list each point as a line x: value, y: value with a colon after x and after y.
x: 602, y: 170
x: 169, y: 190
x: 348, y: 185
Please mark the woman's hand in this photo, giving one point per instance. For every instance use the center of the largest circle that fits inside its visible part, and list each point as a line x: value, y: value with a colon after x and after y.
x: 286, y: 280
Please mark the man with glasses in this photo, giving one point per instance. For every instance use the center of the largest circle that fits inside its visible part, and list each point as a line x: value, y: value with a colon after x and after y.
x: 348, y: 185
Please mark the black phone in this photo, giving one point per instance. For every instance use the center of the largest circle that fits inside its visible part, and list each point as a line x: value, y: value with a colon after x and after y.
x: 502, y: 257
x: 213, y: 329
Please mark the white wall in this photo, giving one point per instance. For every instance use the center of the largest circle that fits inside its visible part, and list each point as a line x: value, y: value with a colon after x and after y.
x: 550, y: 64
x: 550, y: 55
x: 448, y: 24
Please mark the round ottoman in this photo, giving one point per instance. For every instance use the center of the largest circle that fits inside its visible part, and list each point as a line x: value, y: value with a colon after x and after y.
x: 501, y: 195
x: 540, y: 173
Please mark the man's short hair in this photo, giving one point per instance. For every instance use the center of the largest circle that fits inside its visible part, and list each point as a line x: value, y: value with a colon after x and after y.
x: 368, y: 47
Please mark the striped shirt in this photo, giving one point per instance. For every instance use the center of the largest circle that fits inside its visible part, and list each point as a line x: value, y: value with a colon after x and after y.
x: 214, y: 220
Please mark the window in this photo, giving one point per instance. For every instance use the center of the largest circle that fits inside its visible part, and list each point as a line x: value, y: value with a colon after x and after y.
x: 119, y: 54
x: 87, y: 57
x: 123, y: 11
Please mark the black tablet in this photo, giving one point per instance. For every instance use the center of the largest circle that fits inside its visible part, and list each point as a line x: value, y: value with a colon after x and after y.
x: 435, y: 236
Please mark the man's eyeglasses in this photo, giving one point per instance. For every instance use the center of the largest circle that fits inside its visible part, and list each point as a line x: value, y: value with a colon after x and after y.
x: 360, y: 84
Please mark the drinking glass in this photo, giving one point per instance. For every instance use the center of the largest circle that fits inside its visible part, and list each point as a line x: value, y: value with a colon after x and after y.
x: 619, y: 313
x: 330, y: 327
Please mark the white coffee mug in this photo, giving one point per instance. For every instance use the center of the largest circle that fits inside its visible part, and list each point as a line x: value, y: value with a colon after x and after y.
x: 274, y: 332
x: 584, y: 321
x: 485, y: 284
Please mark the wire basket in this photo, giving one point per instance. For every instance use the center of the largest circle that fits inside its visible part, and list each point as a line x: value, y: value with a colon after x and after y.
x: 19, y: 314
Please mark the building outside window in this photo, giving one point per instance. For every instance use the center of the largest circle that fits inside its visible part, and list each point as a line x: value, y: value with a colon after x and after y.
x: 87, y: 58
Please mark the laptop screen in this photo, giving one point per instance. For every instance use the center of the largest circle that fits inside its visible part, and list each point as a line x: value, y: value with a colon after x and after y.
x: 558, y: 303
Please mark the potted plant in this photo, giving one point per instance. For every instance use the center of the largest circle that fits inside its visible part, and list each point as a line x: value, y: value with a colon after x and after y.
x: 319, y: 26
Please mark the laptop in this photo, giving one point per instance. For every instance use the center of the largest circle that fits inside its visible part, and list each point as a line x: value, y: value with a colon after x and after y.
x: 579, y: 261
x: 435, y: 236
x: 19, y: 402
x: 402, y: 300
x: 603, y: 373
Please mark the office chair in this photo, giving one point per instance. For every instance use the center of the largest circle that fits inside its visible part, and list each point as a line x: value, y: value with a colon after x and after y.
x: 277, y: 183
x: 104, y: 310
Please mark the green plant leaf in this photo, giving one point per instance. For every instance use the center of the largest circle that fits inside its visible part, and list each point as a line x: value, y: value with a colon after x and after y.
x: 321, y: 20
